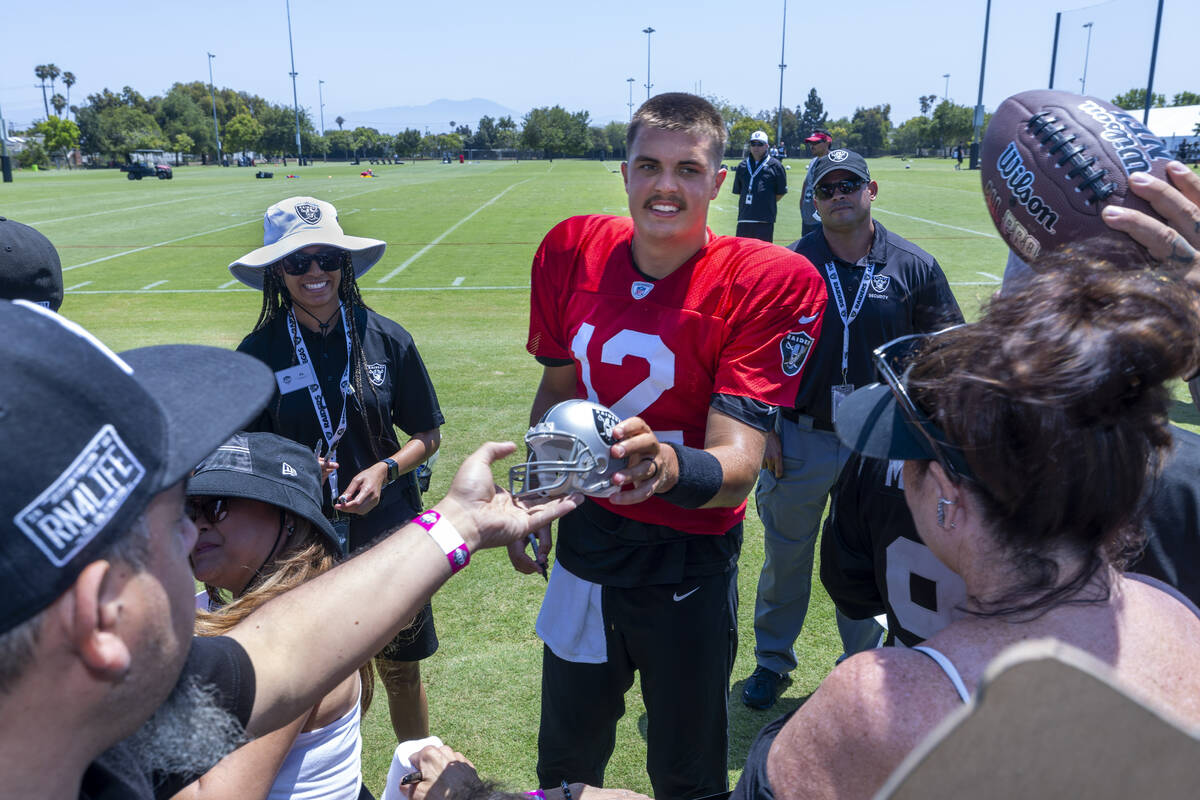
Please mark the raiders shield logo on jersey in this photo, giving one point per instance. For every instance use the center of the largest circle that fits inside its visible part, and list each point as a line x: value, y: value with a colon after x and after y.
x: 377, y: 373
x: 879, y: 283
x: 605, y: 422
x: 795, y: 347
x: 309, y: 212
x: 640, y: 289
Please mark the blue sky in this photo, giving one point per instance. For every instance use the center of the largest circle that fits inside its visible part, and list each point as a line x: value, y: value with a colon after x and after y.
x: 530, y: 53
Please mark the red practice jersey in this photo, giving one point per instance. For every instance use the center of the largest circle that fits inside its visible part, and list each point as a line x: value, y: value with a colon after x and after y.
x: 739, y: 318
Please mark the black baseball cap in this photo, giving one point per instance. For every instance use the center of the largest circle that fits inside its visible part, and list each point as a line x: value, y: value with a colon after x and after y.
x: 97, y: 436
x: 840, y: 159
x: 271, y: 469
x: 29, y: 266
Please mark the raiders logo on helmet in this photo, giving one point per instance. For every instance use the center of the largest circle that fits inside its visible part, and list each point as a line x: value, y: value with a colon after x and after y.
x: 605, y: 422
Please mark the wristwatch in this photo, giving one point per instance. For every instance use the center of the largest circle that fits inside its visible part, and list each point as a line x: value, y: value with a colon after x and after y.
x: 393, y: 470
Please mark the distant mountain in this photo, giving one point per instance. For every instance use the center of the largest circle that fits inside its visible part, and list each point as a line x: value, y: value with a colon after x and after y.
x: 437, y: 116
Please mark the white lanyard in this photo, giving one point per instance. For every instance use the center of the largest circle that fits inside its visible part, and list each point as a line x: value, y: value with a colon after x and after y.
x: 753, y: 175
x: 835, y: 284
x: 332, y: 437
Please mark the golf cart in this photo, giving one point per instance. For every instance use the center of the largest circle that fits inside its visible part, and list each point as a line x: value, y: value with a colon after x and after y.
x: 144, y: 163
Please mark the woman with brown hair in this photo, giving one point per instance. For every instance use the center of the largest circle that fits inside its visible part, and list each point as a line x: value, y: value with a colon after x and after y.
x: 1029, y: 440
x: 256, y: 505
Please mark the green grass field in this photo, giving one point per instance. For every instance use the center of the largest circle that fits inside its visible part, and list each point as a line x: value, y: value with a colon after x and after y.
x: 145, y: 263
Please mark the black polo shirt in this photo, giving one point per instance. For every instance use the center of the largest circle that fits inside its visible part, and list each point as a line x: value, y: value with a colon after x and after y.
x: 908, y: 294
x: 397, y: 391
x: 769, y: 181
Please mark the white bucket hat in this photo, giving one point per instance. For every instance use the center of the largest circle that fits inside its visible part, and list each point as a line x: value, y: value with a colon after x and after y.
x: 296, y: 223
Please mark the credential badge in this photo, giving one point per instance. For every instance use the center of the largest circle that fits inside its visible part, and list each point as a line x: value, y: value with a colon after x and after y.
x: 377, y: 373
x: 640, y: 289
x: 795, y: 347
x: 309, y: 212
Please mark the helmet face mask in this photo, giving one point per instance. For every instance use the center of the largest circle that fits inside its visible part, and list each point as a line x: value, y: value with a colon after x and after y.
x: 569, y: 452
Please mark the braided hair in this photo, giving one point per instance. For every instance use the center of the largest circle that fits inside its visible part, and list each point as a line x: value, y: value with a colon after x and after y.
x: 277, y: 302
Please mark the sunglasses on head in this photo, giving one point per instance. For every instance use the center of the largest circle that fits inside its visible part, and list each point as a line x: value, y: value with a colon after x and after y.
x: 213, y: 509
x: 893, y: 361
x: 848, y: 186
x: 297, y: 263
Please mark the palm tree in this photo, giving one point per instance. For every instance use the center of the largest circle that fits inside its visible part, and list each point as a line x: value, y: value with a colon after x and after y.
x: 41, y: 71
x: 52, y: 72
x: 340, y: 119
x: 68, y: 81
x: 59, y: 102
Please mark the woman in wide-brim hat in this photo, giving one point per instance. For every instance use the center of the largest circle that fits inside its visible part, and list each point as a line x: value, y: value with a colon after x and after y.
x: 256, y: 502
x: 346, y: 378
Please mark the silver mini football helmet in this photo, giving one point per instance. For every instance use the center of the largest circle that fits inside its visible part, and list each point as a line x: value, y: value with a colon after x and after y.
x: 569, y: 451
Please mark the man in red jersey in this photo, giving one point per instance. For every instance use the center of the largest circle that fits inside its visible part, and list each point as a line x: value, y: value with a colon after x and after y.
x: 692, y: 339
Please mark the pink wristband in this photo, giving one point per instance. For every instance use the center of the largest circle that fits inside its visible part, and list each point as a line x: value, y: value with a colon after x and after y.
x: 447, y: 537
x: 538, y: 793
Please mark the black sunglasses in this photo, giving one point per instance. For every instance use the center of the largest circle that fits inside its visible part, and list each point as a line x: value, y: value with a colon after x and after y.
x: 758, y: 144
x: 213, y: 509
x: 893, y: 361
x: 848, y: 186
x: 297, y: 263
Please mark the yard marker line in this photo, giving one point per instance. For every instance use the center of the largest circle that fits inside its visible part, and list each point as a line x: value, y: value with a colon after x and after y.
x: 159, y: 244
x: 78, y: 286
x: 227, y: 284
x: 974, y: 283
x: 457, y: 281
x: 939, y: 224
x: 990, y: 275
x: 523, y: 288
x: 115, y: 210
x: 150, y: 286
x: 447, y: 232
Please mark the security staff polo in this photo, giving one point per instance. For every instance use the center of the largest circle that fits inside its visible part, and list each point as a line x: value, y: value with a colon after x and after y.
x: 908, y: 293
x: 758, y: 184
x: 397, y: 391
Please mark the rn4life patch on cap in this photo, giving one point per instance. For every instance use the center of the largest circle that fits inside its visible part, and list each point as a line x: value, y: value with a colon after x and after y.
x: 84, y: 498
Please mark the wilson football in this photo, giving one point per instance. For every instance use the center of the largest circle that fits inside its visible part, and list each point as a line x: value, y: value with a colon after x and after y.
x: 1050, y: 161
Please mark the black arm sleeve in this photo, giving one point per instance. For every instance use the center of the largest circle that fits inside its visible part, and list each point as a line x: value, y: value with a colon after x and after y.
x: 546, y: 361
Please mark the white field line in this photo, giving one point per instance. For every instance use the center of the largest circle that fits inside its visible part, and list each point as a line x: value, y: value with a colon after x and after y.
x: 939, y: 224
x: 523, y: 288
x: 77, y: 286
x: 446, y: 233
x: 990, y: 275
x: 457, y: 281
x: 119, y: 210
x: 150, y: 286
x: 974, y: 283
x: 227, y: 284
x: 159, y: 244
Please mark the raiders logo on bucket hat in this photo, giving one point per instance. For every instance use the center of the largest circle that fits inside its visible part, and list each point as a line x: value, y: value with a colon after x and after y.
x: 299, y: 222
x: 99, y: 435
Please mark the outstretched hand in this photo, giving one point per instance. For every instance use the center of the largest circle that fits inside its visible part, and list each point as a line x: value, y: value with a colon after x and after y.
x: 1175, y: 243
x: 484, y: 513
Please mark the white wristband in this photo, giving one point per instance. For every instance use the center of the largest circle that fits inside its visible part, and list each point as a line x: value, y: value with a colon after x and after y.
x: 447, y: 537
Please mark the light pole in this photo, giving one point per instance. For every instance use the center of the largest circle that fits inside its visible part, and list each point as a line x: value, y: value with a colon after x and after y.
x: 213, y: 96
x: 1087, y: 51
x: 630, y: 82
x: 648, y: 31
x: 782, y: 67
x: 321, y: 102
x: 987, y: 19
x: 295, y: 101
x: 946, y: 93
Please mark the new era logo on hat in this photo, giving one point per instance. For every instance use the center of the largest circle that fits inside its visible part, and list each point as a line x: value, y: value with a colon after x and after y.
x: 288, y: 470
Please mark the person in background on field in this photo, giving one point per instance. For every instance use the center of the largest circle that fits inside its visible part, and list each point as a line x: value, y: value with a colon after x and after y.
x: 256, y: 504
x: 759, y: 182
x: 819, y: 143
x: 346, y: 378
x: 29, y: 266
x: 880, y: 286
x: 645, y: 581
